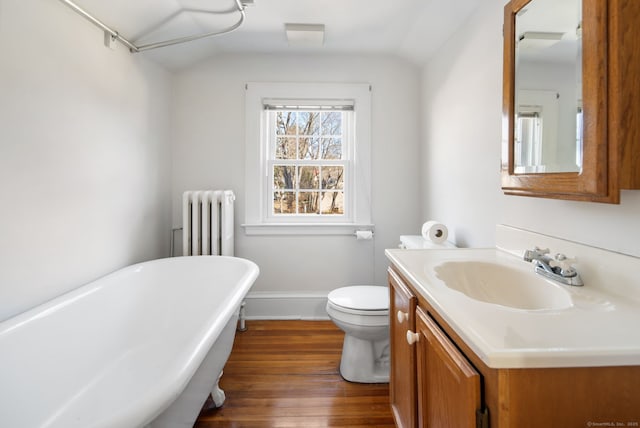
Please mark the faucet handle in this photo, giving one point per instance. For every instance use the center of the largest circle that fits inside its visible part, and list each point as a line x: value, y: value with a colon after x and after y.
x: 536, y: 254
x: 565, y: 264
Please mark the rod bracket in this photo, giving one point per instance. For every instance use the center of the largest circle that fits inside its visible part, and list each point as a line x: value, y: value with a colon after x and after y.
x: 110, y: 39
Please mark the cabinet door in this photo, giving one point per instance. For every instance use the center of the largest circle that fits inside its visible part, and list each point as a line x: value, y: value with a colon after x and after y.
x: 402, y: 375
x: 448, y: 385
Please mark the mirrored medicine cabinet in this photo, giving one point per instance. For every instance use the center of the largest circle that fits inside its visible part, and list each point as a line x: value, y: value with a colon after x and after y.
x: 571, y: 99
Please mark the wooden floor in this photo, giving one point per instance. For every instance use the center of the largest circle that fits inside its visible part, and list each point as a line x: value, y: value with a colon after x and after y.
x: 285, y: 374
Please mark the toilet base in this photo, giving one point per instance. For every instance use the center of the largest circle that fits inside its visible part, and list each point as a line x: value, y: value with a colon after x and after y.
x: 365, y: 361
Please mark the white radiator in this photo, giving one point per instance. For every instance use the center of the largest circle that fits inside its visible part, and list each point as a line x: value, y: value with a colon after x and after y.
x: 207, y: 222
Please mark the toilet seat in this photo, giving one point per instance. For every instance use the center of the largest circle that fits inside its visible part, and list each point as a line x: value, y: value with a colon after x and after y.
x: 368, y: 300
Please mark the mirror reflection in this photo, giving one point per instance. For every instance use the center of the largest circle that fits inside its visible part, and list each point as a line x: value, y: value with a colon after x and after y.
x: 548, y: 87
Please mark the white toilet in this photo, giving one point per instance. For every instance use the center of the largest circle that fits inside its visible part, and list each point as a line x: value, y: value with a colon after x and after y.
x: 362, y: 312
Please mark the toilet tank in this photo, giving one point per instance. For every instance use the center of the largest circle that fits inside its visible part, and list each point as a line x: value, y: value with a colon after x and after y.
x: 411, y: 242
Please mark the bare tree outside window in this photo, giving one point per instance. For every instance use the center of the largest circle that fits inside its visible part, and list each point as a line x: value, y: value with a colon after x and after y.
x: 305, y: 181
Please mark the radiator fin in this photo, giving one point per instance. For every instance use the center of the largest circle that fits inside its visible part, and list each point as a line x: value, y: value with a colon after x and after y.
x: 207, y: 222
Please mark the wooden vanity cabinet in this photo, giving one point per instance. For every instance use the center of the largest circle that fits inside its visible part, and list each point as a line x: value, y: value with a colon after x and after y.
x: 431, y: 383
x: 439, y: 381
x: 402, y: 374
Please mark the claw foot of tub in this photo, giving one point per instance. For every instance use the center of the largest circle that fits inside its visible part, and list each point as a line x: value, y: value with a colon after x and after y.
x: 216, y: 399
x: 218, y: 396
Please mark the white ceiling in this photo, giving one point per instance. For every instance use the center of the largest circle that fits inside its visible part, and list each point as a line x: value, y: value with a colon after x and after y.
x: 551, y: 16
x: 412, y: 29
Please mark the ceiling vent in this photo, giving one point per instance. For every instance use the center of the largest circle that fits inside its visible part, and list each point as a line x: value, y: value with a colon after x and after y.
x: 305, y: 35
x: 538, y: 40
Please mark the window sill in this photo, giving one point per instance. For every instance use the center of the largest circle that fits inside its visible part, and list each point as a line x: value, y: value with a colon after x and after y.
x: 305, y: 228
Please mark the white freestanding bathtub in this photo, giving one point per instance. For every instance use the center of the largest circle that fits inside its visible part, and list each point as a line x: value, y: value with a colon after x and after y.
x: 143, y: 346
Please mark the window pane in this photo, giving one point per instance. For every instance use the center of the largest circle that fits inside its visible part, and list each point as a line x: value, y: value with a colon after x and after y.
x: 308, y: 123
x: 332, y: 203
x: 286, y: 148
x: 332, y: 123
x: 284, y: 202
x: 304, y: 137
x: 286, y: 123
x: 284, y: 177
x: 331, y: 148
x: 308, y: 202
x: 308, y: 148
x: 309, y: 177
x: 332, y: 177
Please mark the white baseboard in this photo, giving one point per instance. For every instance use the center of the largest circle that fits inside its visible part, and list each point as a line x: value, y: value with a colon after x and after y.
x: 286, y: 306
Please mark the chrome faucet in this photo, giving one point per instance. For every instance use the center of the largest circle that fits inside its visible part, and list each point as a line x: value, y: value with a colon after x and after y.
x: 558, y: 268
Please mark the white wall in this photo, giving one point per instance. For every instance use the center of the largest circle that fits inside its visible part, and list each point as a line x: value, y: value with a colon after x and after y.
x: 84, y: 155
x: 462, y: 90
x: 208, y: 152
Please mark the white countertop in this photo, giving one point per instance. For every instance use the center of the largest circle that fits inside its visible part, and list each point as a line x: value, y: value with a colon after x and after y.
x: 598, y: 329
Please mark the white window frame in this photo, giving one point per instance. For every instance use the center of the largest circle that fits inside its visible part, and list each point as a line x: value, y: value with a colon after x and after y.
x: 259, y: 219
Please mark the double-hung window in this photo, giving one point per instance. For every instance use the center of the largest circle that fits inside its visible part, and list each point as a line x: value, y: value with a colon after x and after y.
x: 308, y: 162
x: 308, y: 158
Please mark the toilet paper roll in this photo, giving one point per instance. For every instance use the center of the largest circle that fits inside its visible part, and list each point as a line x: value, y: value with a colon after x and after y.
x: 364, y: 235
x: 435, y: 232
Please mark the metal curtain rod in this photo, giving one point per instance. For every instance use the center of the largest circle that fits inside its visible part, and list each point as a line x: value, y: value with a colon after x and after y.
x: 133, y: 48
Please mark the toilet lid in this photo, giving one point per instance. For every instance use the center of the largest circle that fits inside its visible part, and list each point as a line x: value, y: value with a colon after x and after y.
x: 361, y: 297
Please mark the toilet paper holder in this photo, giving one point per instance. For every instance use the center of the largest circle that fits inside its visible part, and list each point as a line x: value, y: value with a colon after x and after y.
x: 363, y: 235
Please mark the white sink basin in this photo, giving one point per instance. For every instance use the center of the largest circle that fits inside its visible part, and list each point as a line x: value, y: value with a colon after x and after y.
x: 503, y: 285
x: 512, y: 317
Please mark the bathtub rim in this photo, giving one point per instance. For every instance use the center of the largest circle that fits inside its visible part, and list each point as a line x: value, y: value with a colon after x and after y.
x: 54, y: 304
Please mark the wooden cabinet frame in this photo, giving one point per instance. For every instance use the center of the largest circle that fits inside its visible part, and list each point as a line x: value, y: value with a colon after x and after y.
x: 402, y: 374
x: 611, y: 107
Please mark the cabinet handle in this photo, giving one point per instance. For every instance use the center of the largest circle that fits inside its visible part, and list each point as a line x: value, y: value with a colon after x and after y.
x: 402, y: 316
x: 412, y: 337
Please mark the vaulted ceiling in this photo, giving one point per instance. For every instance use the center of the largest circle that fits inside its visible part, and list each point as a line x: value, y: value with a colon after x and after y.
x: 412, y: 29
